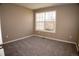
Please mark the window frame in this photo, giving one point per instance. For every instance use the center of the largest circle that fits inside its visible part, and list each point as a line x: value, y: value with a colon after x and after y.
x: 46, y: 30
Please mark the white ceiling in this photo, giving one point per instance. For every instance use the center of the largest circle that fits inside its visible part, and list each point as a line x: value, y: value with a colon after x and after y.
x: 37, y: 5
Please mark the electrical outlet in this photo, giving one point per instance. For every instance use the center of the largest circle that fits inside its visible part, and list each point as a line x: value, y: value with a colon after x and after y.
x: 70, y: 37
x: 6, y: 36
x: 78, y: 45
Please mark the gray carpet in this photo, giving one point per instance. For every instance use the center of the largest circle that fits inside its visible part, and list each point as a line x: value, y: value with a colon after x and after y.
x: 36, y: 46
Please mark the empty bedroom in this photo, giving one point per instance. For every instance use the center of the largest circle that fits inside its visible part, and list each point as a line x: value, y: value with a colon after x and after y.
x: 39, y: 29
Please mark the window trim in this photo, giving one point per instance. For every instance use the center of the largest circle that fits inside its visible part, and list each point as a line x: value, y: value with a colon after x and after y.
x: 44, y: 30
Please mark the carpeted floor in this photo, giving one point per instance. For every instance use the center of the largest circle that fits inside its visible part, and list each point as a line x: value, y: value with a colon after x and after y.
x: 36, y: 46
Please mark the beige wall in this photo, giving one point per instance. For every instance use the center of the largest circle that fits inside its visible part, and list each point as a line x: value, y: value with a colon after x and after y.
x: 66, y: 22
x: 78, y: 24
x: 78, y: 29
x: 16, y: 22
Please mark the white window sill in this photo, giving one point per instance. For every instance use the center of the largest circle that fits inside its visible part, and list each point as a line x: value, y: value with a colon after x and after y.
x: 46, y: 31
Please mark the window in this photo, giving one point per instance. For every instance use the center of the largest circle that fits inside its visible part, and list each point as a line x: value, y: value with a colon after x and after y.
x: 46, y: 21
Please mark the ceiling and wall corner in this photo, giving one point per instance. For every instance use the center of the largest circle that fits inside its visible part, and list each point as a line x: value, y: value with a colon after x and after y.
x: 38, y: 5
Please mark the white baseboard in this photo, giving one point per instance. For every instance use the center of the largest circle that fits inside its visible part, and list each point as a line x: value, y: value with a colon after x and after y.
x: 40, y: 36
x: 77, y: 47
x: 55, y: 39
x: 17, y: 39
